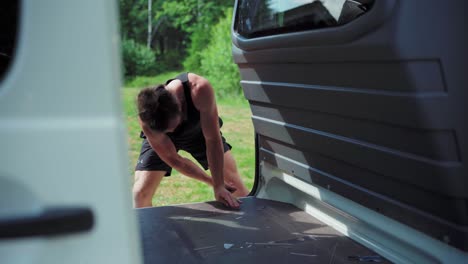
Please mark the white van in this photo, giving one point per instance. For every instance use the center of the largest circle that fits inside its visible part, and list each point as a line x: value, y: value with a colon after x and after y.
x: 64, y: 184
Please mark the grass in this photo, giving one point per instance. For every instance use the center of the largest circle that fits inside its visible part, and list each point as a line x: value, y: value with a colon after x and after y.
x: 237, y: 129
x: 145, y: 81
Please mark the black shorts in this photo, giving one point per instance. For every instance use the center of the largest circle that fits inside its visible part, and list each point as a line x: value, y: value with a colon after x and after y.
x: 150, y: 161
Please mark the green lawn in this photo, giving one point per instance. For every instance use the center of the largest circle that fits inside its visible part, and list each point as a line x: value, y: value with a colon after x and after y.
x: 237, y: 130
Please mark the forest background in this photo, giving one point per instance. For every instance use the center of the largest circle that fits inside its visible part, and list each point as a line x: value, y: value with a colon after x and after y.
x: 185, y: 35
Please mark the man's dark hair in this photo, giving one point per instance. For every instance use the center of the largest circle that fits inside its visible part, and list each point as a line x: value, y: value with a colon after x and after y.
x: 156, y: 107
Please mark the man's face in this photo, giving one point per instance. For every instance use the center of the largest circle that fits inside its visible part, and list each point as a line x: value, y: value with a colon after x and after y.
x: 173, y: 124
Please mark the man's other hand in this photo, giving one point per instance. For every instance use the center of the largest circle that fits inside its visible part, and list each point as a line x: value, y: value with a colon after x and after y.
x: 224, y: 196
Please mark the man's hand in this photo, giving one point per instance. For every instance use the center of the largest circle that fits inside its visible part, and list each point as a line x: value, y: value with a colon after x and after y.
x: 230, y: 187
x: 224, y: 196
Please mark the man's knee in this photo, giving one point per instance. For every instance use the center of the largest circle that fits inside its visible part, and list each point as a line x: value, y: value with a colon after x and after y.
x: 141, y: 192
x: 144, y: 187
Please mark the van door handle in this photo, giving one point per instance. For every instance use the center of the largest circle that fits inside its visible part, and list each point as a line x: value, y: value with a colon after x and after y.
x: 50, y: 222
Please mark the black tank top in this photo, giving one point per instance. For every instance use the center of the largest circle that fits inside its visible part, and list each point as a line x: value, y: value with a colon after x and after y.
x: 191, y: 121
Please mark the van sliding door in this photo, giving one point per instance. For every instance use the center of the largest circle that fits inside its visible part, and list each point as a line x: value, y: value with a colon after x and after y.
x: 365, y: 99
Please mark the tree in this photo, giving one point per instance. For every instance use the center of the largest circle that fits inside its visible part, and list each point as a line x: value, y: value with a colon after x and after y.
x: 195, y: 18
x: 180, y: 29
x: 137, y: 58
x: 216, y: 60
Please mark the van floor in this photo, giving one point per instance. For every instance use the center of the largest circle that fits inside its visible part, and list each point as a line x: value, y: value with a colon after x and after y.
x: 262, y: 231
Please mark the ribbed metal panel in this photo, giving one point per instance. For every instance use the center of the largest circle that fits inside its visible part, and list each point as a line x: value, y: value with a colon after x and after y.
x: 379, y: 119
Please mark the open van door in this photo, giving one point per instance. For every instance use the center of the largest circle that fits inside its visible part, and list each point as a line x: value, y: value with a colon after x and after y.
x: 64, y: 184
x: 360, y: 111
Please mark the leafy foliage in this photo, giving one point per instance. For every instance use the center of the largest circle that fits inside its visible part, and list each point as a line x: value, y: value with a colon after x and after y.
x: 195, y: 18
x: 138, y: 59
x: 191, y: 15
x: 198, y: 42
x: 133, y: 19
x: 189, y: 34
x: 216, y: 60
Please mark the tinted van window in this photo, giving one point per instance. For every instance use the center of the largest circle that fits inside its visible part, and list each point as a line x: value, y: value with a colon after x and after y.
x: 8, y: 32
x: 271, y: 17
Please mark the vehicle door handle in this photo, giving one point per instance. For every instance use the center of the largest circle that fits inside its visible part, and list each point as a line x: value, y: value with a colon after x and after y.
x: 50, y: 222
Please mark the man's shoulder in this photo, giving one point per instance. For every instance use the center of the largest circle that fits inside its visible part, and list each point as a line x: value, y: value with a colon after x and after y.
x: 202, y: 93
x: 199, y: 84
x: 174, y: 83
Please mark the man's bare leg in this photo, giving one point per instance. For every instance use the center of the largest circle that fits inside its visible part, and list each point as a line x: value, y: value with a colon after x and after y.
x: 146, y: 183
x: 231, y: 175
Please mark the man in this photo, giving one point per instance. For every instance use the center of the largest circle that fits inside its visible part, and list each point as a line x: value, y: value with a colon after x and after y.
x: 183, y: 115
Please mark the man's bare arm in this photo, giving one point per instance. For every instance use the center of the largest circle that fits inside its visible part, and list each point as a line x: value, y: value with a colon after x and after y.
x: 205, y: 102
x: 166, y: 150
